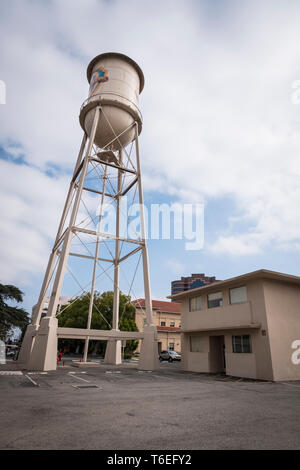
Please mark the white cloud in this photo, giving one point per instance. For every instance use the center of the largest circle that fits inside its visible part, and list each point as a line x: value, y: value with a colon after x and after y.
x: 239, y: 245
x: 175, y: 266
x: 218, y: 115
x: 30, y: 206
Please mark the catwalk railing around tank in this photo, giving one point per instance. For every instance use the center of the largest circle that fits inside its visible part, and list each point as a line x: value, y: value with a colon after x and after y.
x: 98, y: 99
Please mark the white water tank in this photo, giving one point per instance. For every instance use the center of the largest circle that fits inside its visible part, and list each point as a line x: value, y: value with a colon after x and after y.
x: 115, y: 84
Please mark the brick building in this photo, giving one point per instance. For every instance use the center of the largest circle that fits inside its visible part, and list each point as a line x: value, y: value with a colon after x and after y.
x: 166, y: 317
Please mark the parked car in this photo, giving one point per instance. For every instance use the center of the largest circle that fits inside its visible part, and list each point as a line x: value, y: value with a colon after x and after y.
x: 169, y: 356
x: 12, y: 351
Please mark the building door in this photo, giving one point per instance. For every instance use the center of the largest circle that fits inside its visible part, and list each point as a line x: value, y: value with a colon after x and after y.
x: 159, y: 347
x: 217, y: 354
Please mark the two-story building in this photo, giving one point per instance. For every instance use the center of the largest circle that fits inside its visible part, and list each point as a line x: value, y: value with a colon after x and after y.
x: 166, y: 317
x: 246, y: 326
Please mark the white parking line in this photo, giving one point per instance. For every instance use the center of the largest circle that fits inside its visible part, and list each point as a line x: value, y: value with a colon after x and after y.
x: 291, y: 385
x: 37, y: 373
x: 29, y: 378
x: 79, y: 378
x: 11, y: 372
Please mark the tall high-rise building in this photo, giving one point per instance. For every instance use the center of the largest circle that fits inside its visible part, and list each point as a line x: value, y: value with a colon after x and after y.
x: 191, y: 282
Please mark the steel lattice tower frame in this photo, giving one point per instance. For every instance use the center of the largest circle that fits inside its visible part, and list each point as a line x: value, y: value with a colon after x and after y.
x: 39, y: 347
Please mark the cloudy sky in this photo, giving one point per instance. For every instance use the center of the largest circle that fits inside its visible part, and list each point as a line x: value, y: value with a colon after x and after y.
x: 221, y: 125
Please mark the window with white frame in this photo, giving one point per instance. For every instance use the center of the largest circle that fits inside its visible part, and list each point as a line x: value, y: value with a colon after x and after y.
x: 215, y: 300
x: 238, y: 295
x: 195, y: 304
x: 196, y: 343
x: 241, y: 344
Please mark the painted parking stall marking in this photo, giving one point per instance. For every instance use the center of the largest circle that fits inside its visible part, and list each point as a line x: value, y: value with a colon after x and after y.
x: 84, y: 387
x: 37, y: 373
x: 31, y: 380
x: 79, y: 378
x: 11, y: 372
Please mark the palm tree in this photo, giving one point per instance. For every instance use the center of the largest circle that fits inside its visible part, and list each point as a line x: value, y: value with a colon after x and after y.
x: 11, y: 317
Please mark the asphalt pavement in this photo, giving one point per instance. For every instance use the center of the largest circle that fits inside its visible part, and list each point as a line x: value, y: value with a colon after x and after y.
x: 120, y: 407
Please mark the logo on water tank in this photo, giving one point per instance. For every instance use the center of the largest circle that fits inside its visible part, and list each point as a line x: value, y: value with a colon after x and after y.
x: 99, y: 76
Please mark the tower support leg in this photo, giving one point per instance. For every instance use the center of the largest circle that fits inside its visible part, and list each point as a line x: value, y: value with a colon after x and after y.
x: 113, y: 352
x: 44, y: 349
x: 27, y: 344
x: 46, y: 344
x: 148, y: 359
x: 32, y: 329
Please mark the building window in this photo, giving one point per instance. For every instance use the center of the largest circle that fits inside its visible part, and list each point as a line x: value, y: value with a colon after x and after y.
x: 46, y: 305
x: 171, y: 346
x: 195, y: 304
x: 162, y: 323
x: 215, y: 300
x: 238, y: 295
x: 241, y: 344
x: 196, y: 343
x: 172, y: 323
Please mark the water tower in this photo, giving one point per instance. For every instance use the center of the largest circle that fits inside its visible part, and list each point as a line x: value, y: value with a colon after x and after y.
x: 111, y: 121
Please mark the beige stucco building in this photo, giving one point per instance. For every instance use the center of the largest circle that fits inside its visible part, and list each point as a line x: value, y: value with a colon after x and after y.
x: 247, y: 326
x: 166, y: 317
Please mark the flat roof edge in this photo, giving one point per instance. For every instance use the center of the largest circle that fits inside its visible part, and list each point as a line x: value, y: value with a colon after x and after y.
x: 223, y: 328
x: 258, y: 274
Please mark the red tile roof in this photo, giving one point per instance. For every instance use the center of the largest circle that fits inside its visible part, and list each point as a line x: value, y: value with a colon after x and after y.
x: 174, y: 329
x: 161, y: 305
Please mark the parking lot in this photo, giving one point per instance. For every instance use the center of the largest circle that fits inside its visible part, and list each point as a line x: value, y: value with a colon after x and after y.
x: 119, y: 407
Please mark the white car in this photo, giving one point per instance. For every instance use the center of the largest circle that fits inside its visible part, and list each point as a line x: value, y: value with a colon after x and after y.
x: 169, y: 356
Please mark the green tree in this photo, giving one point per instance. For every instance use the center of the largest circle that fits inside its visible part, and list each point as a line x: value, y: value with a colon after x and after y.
x: 11, y: 317
x: 76, y: 315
